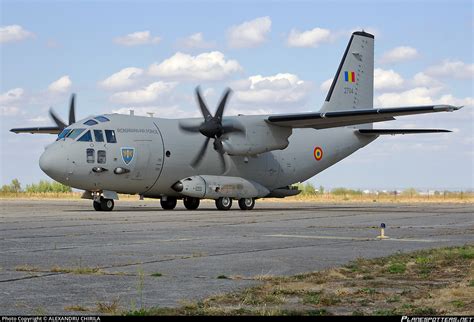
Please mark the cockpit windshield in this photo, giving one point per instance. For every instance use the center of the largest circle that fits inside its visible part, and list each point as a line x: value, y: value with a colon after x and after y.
x: 101, y: 118
x: 74, y: 133
x: 63, y: 134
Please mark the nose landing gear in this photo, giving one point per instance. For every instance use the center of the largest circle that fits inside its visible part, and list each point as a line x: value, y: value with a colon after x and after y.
x: 104, y: 204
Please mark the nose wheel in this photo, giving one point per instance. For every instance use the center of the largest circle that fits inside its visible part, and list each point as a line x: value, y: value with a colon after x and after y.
x: 103, y: 204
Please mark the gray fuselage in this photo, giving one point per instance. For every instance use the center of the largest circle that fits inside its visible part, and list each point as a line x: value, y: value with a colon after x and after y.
x: 163, y: 153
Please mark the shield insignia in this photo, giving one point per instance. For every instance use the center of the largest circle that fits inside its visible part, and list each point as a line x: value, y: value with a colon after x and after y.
x: 127, y: 155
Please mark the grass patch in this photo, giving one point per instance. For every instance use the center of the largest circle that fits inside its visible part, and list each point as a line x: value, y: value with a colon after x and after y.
x: 76, y: 308
x: 76, y: 270
x: 397, y: 286
x: 397, y: 268
x: 156, y: 275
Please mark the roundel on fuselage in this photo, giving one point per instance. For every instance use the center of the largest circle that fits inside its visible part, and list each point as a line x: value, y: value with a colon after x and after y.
x: 318, y: 153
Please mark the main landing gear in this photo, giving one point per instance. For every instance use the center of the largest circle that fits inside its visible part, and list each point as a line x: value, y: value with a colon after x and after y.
x: 103, y: 204
x: 191, y: 203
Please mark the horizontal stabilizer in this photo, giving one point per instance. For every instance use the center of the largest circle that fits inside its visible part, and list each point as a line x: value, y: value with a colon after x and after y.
x: 352, y: 117
x: 399, y: 131
x: 39, y: 130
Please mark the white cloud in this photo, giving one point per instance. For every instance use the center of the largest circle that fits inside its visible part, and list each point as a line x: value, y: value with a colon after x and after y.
x: 195, y: 41
x: 280, y: 89
x: 61, y: 85
x: 387, y: 79
x: 451, y: 100
x: 11, y: 96
x: 137, y: 38
x: 124, y: 78
x: 421, y: 79
x: 13, y: 33
x: 147, y: 94
x: 454, y: 69
x: 250, y: 33
x: 399, y: 54
x: 326, y: 85
x: 204, y: 67
x: 309, y: 38
x: 415, y: 96
x: 9, y: 101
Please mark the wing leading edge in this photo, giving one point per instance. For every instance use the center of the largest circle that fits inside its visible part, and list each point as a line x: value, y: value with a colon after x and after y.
x: 346, y: 118
x: 38, y: 130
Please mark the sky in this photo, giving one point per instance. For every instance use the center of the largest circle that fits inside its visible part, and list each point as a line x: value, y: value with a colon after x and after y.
x: 277, y: 56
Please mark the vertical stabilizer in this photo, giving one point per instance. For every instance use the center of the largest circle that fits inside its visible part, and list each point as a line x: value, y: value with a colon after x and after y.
x: 353, y: 84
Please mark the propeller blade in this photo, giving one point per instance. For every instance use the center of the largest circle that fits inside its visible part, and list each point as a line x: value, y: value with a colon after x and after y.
x: 72, y: 110
x: 222, y: 103
x: 205, y: 111
x: 223, y: 164
x: 57, y: 119
x: 189, y: 128
x: 197, y: 160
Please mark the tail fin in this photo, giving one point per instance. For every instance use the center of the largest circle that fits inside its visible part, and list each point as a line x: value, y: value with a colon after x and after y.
x: 353, y: 85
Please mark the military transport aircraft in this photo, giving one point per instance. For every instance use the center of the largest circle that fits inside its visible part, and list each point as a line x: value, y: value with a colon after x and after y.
x: 251, y: 156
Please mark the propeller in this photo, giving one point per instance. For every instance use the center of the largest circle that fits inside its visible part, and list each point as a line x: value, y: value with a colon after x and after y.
x: 211, y: 128
x: 72, y: 114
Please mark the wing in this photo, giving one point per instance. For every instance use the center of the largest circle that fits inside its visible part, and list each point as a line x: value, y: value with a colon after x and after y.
x: 40, y: 130
x: 345, y: 118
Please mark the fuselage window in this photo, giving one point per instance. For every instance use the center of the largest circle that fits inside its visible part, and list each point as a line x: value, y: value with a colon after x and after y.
x: 110, y: 136
x: 99, y: 135
x: 90, y: 122
x: 74, y: 133
x: 87, y: 137
x: 101, y: 156
x: 90, y: 155
x: 101, y: 118
x: 63, y: 134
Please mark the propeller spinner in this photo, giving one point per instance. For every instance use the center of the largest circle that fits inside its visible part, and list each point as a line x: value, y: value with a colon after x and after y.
x: 211, y: 128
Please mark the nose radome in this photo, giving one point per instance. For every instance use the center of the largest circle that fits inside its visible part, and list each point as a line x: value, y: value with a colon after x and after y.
x: 53, y: 162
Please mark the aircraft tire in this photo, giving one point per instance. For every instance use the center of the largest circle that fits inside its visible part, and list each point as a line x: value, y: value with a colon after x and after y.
x: 97, y: 206
x: 191, y: 203
x: 224, y: 203
x: 246, y: 203
x: 106, y: 204
x: 169, y: 203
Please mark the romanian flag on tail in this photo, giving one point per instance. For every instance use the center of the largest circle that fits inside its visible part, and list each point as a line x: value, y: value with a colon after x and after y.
x: 349, y: 76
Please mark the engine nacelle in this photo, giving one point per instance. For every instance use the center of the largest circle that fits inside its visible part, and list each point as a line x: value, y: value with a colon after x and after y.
x: 214, y: 187
x: 259, y: 137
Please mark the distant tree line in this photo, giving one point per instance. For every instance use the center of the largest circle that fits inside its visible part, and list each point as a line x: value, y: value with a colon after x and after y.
x: 42, y: 187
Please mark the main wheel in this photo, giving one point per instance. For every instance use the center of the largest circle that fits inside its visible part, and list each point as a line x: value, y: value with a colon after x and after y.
x: 169, y: 203
x: 106, y: 204
x: 246, y: 203
x: 191, y: 203
x: 97, y: 206
x: 224, y: 203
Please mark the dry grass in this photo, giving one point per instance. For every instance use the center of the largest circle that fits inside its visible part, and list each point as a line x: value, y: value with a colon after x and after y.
x: 325, y: 198
x: 430, y: 282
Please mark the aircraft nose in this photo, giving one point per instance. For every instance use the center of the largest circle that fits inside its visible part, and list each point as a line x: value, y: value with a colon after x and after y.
x: 52, y: 162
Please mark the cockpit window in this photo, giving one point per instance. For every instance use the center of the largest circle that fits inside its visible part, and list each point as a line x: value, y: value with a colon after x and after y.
x: 87, y: 137
x: 63, y: 134
x: 110, y: 136
x: 101, y: 118
x: 74, y: 133
x: 90, y: 122
x: 99, y: 135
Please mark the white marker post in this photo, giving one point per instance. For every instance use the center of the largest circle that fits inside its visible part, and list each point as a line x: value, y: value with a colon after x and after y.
x: 382, y: 232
